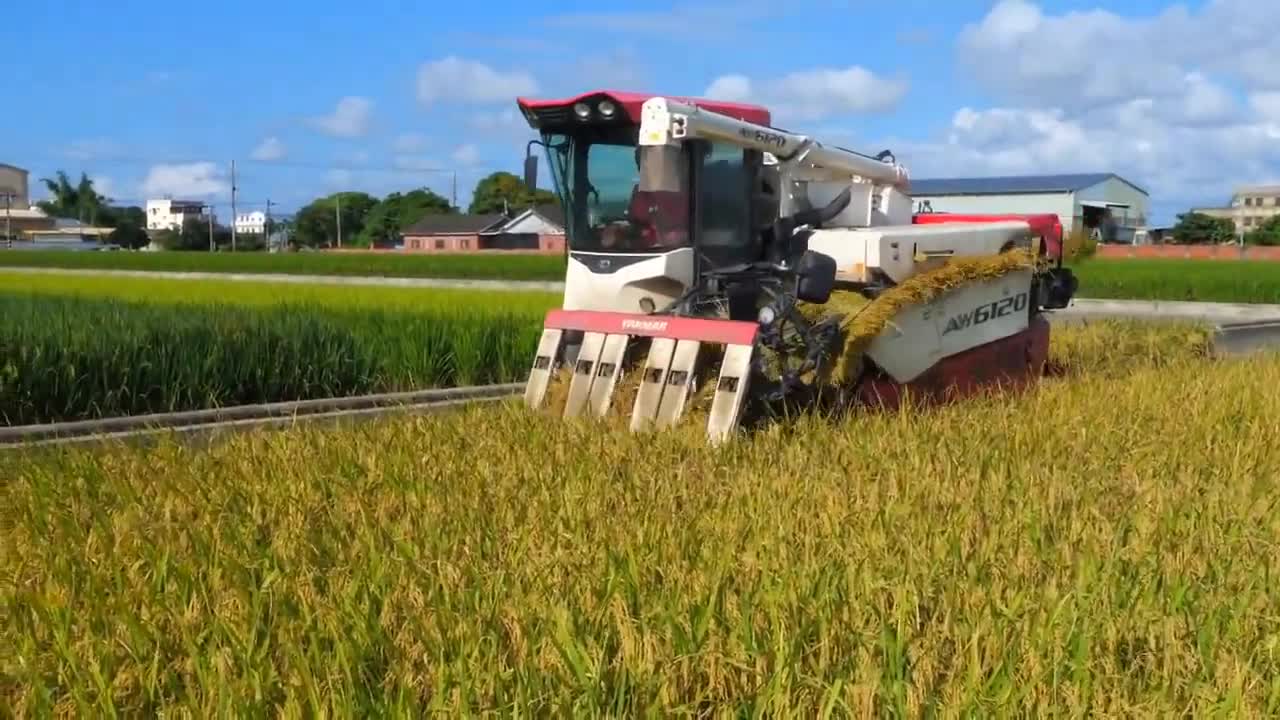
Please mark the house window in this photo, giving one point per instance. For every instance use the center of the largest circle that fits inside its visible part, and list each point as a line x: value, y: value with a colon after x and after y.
x: 464, y: 244
x: 439, y: 244
x: 1248, y: 222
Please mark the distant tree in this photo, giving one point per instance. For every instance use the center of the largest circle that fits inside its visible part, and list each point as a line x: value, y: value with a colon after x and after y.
x: 1268, y: 233
x: 396, y: 212
x: 193, y: 236
x: 316, y: 224
x: 1196, y: 227
x: 504, y: 190
x: 75, y: 202
x: 130, y: 225
x: 248, y: 242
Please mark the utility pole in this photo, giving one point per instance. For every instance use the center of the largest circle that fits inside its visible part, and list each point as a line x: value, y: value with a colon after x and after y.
x: 233, y: 206
x: 266, y: 228
x: 454, y: 200
x: 209, y: 208
x: 337, y: 213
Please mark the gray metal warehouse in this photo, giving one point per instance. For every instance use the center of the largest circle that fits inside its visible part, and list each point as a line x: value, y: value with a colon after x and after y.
x: 1106, y: 205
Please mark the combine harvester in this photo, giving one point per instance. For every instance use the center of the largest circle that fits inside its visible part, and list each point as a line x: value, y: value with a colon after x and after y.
x: 699, y: 235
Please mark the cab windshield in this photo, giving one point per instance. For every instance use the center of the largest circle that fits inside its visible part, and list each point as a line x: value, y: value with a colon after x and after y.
x: 620, y: 197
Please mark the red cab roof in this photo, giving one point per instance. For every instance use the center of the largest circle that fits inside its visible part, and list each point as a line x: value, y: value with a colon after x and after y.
x: 630, y: 103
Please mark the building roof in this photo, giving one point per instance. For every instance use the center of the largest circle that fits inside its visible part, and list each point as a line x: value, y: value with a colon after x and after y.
x: 454, y: 224
x: 1013, y: 184
x: 14, y: 167
x: 1257, y: 190
x: 175, y: 202
x: 21, y: 214
x: 550, y: 212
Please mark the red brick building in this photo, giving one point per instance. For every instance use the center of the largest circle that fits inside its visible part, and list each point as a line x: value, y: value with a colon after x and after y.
x: 539, y: 229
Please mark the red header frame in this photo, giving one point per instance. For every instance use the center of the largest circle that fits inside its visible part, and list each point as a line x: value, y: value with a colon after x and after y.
x: 727, y: 332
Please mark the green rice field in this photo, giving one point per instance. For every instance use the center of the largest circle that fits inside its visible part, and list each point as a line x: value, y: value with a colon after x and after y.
x: 459, y: 266
x: 1235, y: 281
x: 238, y: 292
x: 76, y: 348
x: 1102, y: 546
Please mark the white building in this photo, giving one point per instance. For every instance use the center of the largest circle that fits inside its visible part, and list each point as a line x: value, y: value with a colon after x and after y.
x: 1251, y: 206
x: 251, y: 223
x: 169, y: 214
x: 1083, y: 201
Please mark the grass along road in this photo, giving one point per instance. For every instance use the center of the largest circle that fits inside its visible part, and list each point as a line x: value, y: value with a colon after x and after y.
x: 1227, y: 281
x: 1102, y: 546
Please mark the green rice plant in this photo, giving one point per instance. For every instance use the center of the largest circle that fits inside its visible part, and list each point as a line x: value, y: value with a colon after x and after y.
x: 1239, y: 281
x: 257, y: 293
x: 1103, y: 546
x: 381, y: 264
x: 69, y: 358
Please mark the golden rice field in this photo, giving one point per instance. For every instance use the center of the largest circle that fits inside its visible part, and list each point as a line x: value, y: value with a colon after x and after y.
x: 1108, y: 545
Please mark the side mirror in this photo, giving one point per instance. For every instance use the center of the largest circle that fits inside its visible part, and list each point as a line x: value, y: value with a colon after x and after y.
x: 530, y: 170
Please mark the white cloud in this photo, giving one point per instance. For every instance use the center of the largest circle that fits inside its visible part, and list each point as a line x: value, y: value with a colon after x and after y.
x: 506, y: 122
x: 729, y: 88
x: 1083, y: 59
x: 816, y: 93
x: 1267, y: 105
x: 410, y: 143
x: 1180, y: 166
x: 467, y: 154
x: 1183, y: 102
x: 104, y: 186
x: 349, y: 119
x: 269, y: 149
x: 1205, y: 102
x: 199, y: 179
x: 506, y: 128
x: 454, y: 79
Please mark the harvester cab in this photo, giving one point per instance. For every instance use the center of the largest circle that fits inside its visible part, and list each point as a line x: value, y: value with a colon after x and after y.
x: 698, y: 235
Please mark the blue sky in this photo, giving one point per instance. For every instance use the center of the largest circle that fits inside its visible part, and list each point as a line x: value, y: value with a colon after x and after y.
x: 308, y: 98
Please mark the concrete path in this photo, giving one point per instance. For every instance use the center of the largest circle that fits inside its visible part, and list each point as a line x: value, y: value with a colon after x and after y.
x: 1217, y: 313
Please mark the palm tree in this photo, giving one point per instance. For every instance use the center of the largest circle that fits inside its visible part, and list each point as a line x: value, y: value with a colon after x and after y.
x: 79, y: 201
x: 65, y: 202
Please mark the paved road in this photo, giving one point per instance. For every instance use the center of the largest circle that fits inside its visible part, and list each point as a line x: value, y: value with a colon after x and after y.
x: 1218, y: 313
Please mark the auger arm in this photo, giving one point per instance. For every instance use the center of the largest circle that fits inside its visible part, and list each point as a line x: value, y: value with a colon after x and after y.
x: 801, y: 158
